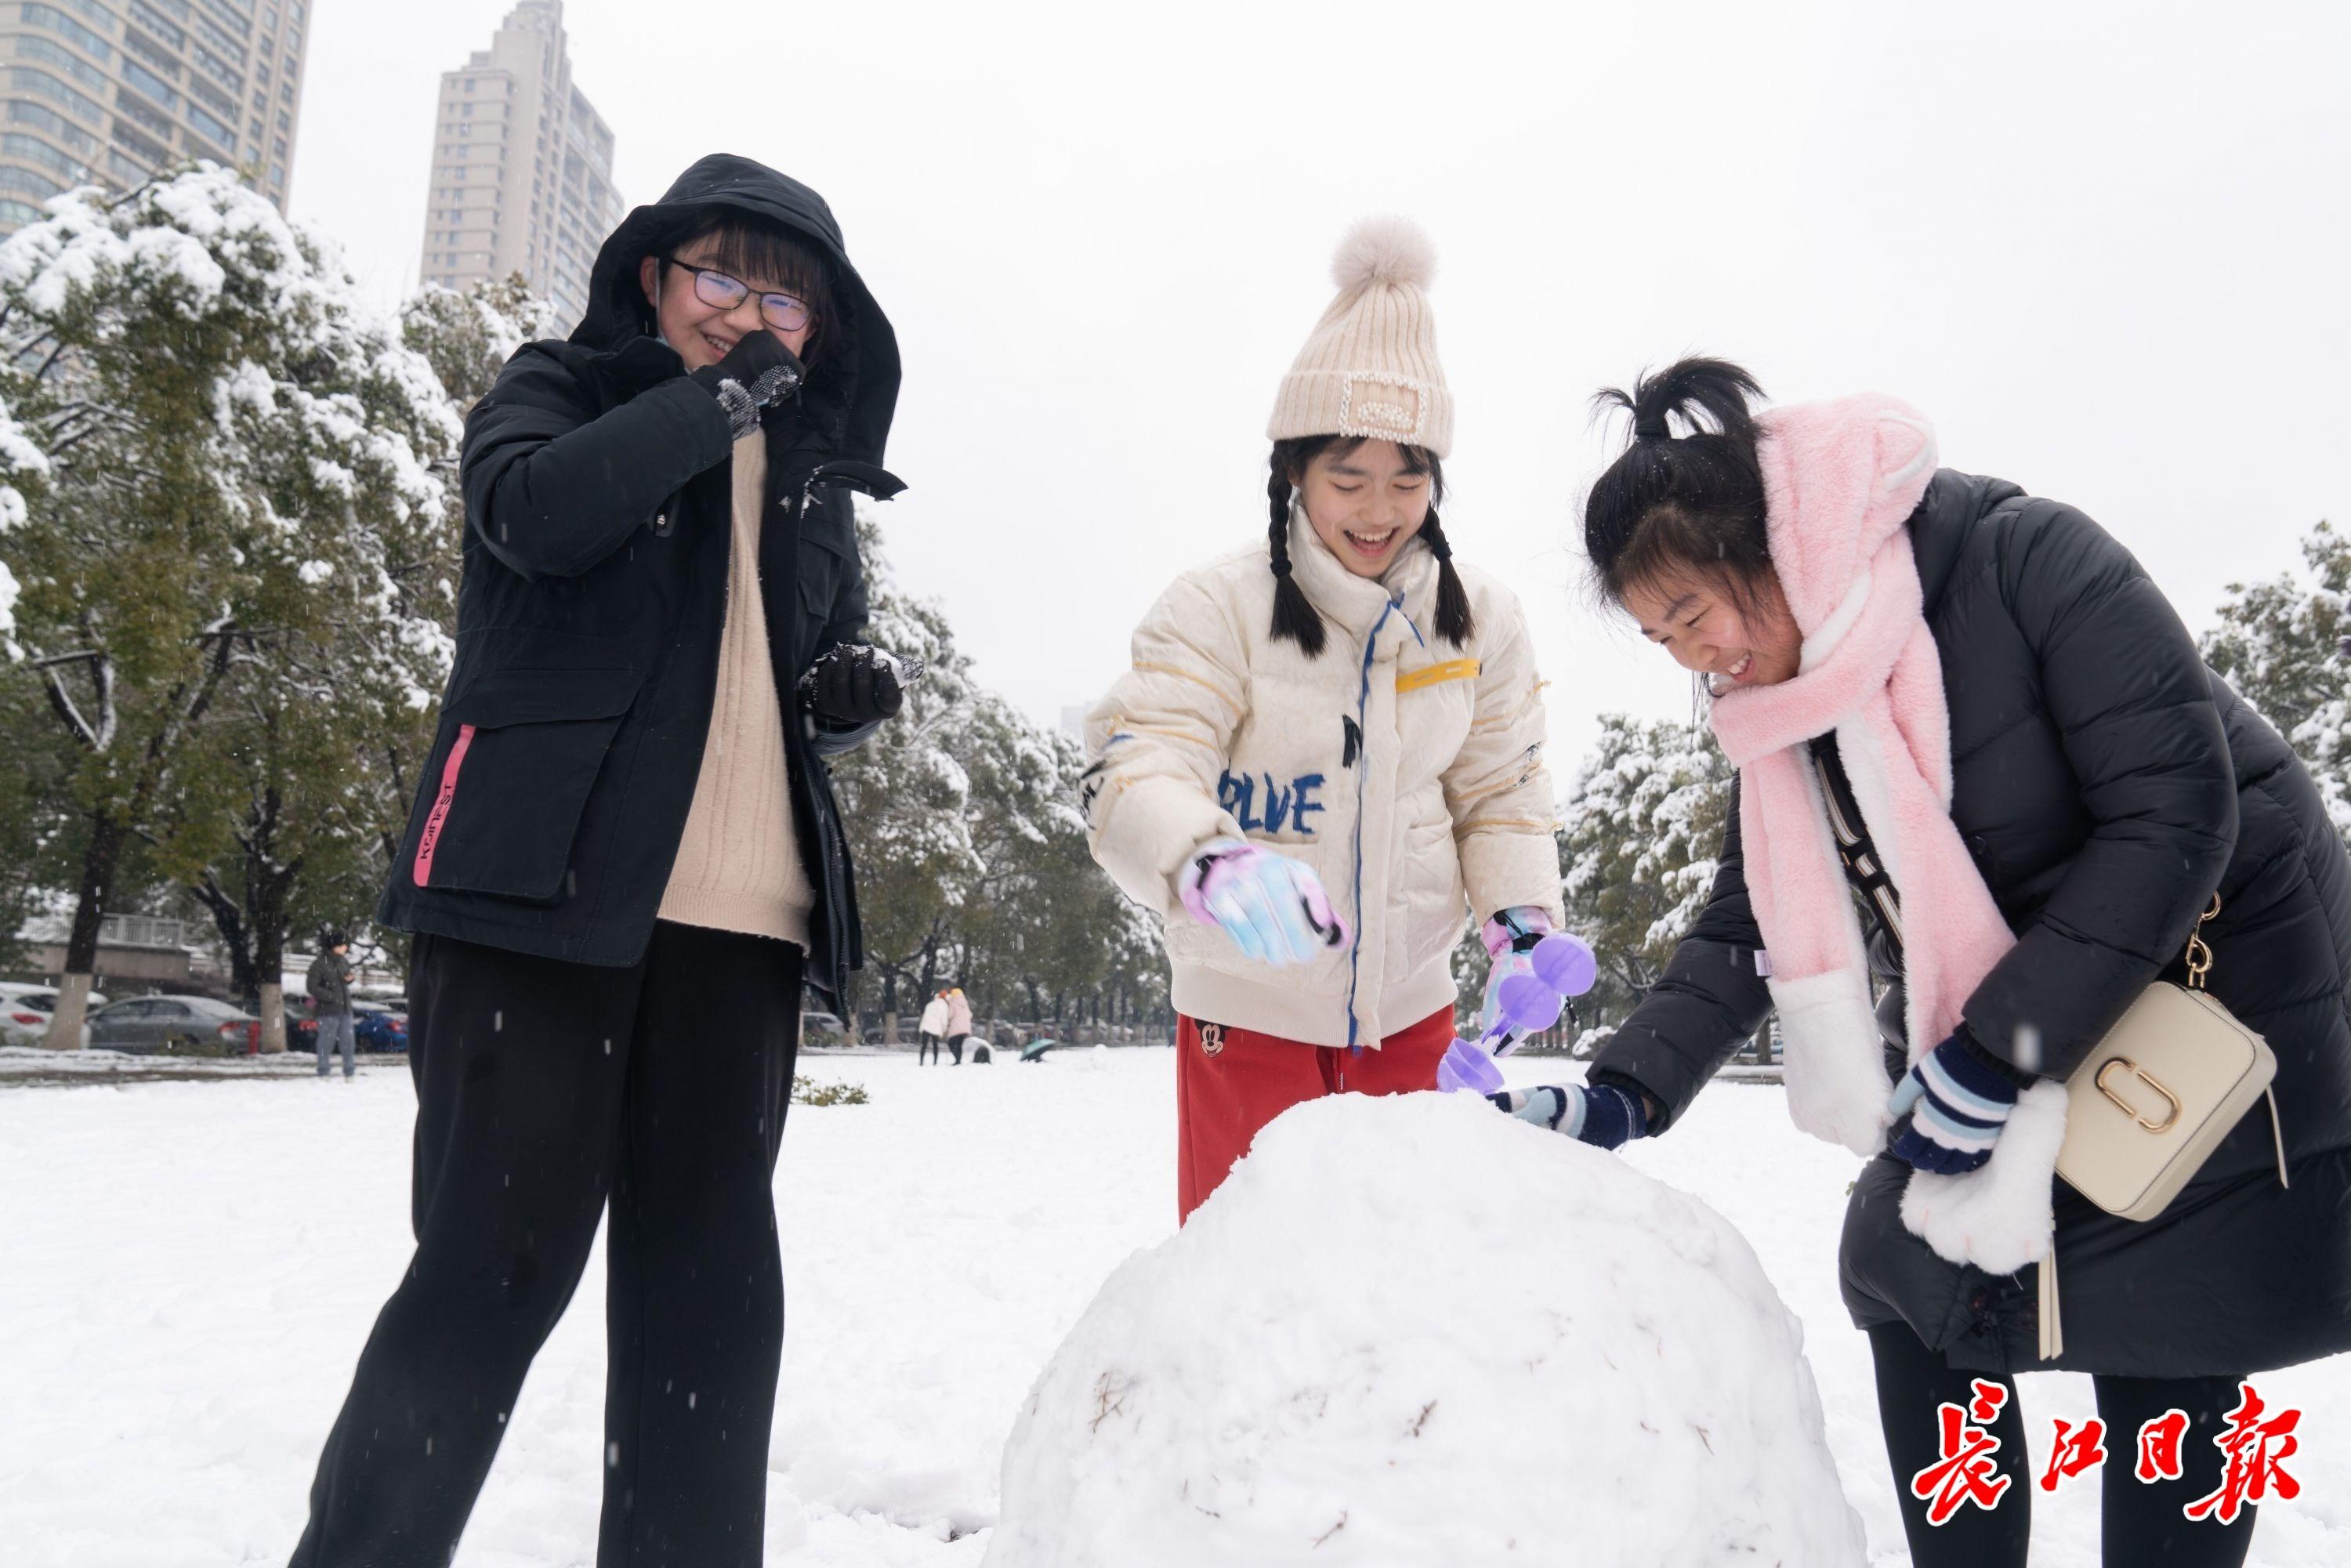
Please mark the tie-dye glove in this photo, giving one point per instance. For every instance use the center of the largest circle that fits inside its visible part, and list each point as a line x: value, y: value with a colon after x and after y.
x: 1272, y: 907
x: 1606, y: 1117
x: 1950, y: 1107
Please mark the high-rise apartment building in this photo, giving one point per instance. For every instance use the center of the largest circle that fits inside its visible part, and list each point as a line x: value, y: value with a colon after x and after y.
x: 522, y: 168
x: 112, y: 90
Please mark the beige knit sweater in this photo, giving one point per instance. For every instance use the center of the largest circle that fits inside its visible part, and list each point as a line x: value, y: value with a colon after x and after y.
x: 739, y: 866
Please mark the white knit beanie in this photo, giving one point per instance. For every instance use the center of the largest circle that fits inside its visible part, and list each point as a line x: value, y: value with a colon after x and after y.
x: 1370, y: 368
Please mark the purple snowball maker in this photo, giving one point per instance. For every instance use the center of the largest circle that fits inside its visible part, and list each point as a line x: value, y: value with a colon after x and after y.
x: 1467, y: 1066
x: 1529, y: 1002
x: 1566, y: 964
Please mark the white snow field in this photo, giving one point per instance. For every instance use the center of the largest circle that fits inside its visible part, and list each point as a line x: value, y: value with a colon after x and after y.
x: 187, y: 1270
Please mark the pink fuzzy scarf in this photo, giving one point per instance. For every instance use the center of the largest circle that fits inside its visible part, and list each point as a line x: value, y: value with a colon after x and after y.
x: 1840, y: 481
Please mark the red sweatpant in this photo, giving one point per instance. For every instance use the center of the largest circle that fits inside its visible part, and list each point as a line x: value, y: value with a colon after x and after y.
x: 1229, y: 1083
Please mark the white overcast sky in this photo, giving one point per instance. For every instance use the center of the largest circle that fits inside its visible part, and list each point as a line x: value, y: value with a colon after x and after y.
x: 2104, y: 247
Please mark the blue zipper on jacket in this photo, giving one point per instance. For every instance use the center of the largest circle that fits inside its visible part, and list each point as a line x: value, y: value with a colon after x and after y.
x: 1363, y: 771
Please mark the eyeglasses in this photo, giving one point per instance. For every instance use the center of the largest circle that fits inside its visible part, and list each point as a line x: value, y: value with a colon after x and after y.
x: 784, y: 312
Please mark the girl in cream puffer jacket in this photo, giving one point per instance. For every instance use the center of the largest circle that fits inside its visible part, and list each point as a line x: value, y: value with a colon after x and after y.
x: 1329, y: 748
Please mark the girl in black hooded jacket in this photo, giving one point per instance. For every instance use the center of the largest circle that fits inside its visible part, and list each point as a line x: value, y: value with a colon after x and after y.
x: 623, y: 862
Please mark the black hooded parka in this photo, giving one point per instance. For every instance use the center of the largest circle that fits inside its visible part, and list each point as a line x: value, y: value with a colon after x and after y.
x: 595, y: 479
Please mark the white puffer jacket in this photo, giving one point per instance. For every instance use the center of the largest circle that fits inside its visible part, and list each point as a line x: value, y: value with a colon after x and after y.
x: 1407, y: 772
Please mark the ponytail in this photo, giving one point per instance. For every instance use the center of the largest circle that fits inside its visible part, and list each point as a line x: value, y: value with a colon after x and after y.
x: 1682, y: 505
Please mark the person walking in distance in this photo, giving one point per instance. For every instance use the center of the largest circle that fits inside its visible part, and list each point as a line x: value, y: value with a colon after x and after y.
x: 329, y: 985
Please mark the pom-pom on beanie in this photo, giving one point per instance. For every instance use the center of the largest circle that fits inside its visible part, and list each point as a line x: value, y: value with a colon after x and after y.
x: 1370, y: 367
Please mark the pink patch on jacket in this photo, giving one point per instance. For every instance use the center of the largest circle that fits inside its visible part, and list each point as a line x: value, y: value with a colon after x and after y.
x: 431, y: 837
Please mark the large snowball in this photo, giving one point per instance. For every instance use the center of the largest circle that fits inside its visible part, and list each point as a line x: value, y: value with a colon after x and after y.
x: 1414, y: 1331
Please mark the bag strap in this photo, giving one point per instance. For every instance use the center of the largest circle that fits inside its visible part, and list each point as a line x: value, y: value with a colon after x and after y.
x: 2200, y: 965
x: 2053, y: 1331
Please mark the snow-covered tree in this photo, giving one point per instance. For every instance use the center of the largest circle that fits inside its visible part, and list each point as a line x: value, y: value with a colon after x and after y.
x: 972, y: 866
x: 2281, y: 644
x: 1042, y: 918
x: 904, y: 798
x: 468, y: 335
x: 1644, y: 822
x: 242, y: 531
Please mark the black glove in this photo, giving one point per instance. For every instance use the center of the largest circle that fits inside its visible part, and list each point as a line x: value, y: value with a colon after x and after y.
x: 757, y: 372
x: 858, y: 685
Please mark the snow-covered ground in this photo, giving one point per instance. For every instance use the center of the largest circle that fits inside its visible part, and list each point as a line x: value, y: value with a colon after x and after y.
x: 187, y: 1270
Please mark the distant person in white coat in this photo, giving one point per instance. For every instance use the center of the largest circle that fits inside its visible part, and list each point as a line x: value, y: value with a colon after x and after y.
x: 933, y: 1028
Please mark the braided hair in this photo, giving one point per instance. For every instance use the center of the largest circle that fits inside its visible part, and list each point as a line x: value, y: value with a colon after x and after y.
x: 1294, y: 615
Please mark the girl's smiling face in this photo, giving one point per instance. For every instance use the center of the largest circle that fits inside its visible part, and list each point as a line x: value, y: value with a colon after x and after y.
x: 1749, y: 640
x: 1364, y: 504
x: 701, y: 333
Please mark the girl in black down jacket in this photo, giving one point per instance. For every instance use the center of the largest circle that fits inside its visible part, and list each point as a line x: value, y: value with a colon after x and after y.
x: 2104, y: 785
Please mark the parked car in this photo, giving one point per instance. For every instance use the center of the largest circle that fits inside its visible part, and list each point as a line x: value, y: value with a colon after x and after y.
x: 377, y: 1025
x: 25, y: 1011
x: 822, y: 1028
x: 301, y: 1027
x: 193, y: 1025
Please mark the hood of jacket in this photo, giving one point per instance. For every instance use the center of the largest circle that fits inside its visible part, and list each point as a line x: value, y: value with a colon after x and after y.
x: 851, y: 392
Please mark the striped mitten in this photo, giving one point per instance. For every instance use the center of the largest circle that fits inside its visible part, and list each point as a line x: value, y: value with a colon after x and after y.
x: 1605, y: 1117
x: 1955, y: 1100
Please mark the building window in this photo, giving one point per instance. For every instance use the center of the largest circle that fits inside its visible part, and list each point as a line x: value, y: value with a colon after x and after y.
x: 220, y: 70
x: 219, y: 40
x: 154, y: 53
x: 211, y: 128
x: 73, y: 65
x: 239, y: 17
x: 73, y: 32
x: 33, y: 150
x: 152, y: 153
x: 56, y: 125
x: 204, y: 149
x: 25, y: 182
x: 147, y: 16
x: 128, y: 104
x: 147, y: 82
x: 218, y: 101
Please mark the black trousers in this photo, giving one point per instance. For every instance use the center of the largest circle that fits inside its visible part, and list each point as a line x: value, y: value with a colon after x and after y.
x: 2140, y: 1522
x: 543, y: 1089
x: 927, y: 1046
x: 955, y: 1043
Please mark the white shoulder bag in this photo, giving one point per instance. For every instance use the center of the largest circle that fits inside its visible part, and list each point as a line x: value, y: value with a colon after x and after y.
x: 2152, y: 1101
